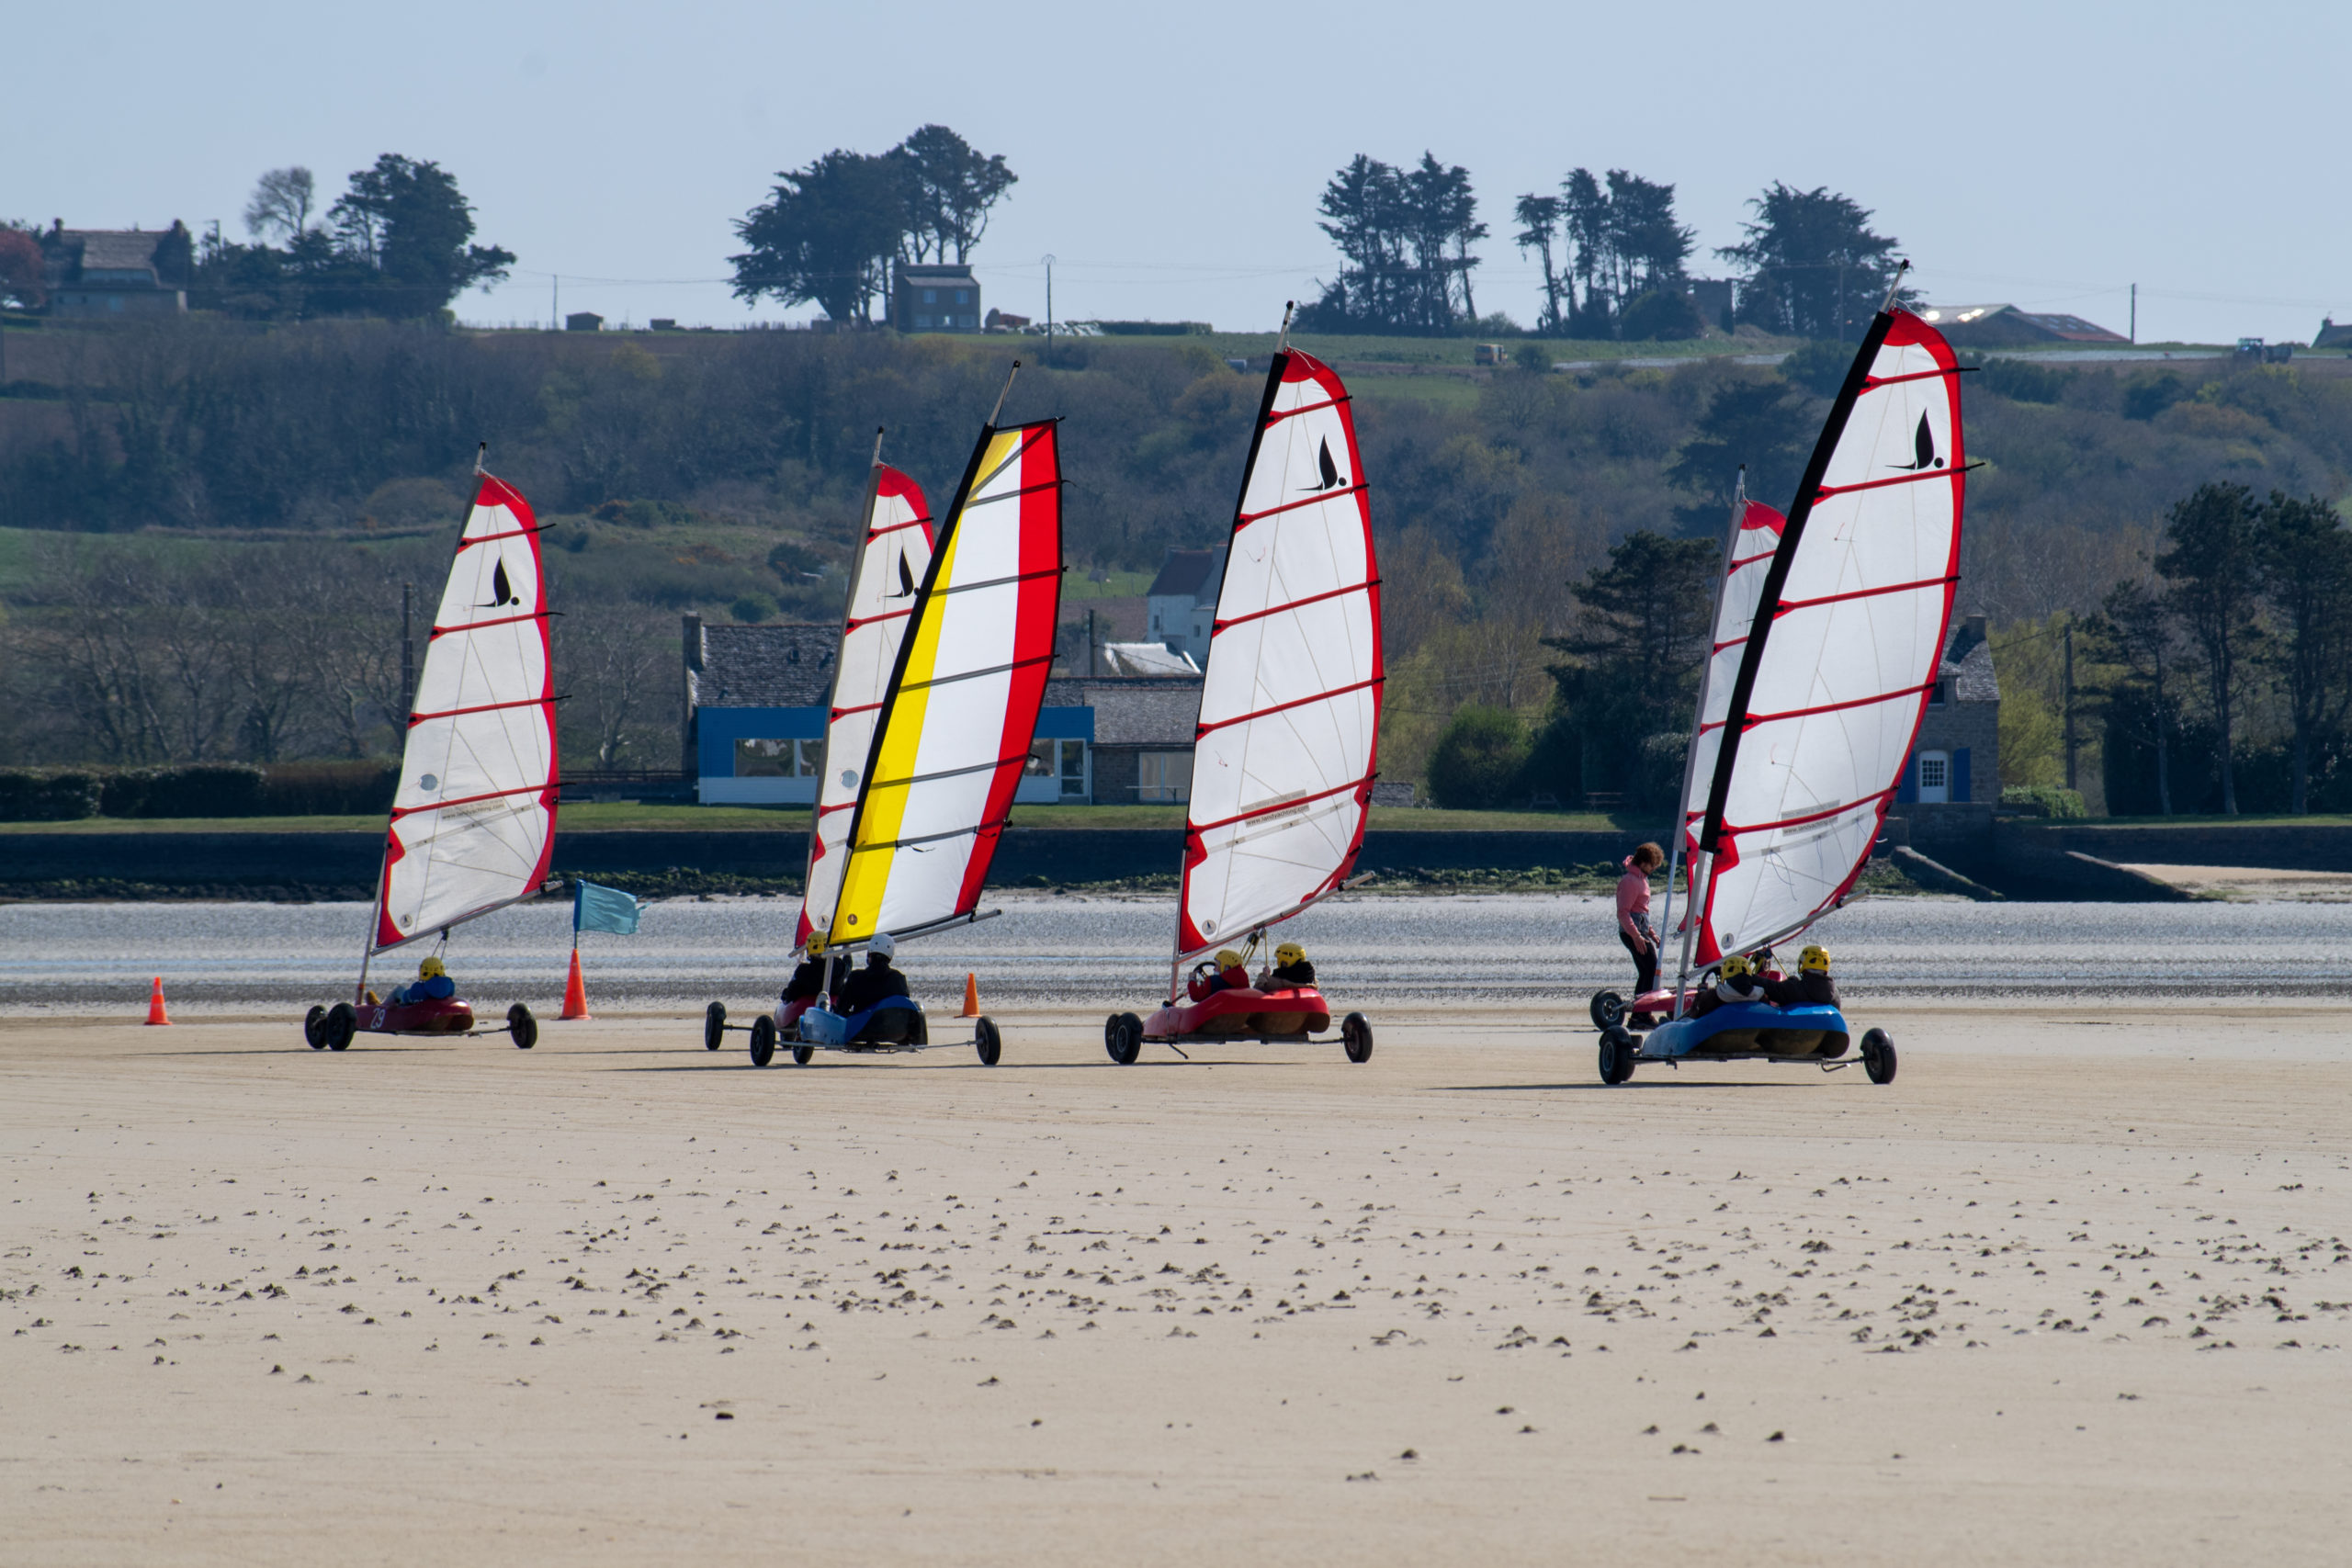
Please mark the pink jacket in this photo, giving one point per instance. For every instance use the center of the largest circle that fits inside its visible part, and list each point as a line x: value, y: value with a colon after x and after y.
x: 1633, y: 898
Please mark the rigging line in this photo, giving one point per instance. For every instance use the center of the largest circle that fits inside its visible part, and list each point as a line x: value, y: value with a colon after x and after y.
x: 1826, y: 491
x: 1788, y: 604
x: 1279, y: 414
x: 997, y: 826
x: 1201, y: 729
x: 990, y: 582
x: 976, y: 674
x: 912, y: 779
x: 1279, y: 806
x: 1752, y: 720
x: 478, y: 625
x: 1246, y: 520
x: 1365, y: 587
x: 1055, y: 483
x: 416, y: 718
x: 401, y: 811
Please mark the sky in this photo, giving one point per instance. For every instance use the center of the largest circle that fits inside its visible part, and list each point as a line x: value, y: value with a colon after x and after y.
x: 2048, y: 155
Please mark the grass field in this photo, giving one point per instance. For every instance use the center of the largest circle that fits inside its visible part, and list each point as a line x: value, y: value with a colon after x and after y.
x: 604, y: 815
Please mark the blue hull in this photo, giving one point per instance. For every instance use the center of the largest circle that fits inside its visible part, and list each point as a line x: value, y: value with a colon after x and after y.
x: 1750, y: 1029
x: 821, y: 1026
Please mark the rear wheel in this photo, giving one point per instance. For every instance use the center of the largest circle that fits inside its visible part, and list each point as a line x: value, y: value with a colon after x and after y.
x: 1122, y: 1038
x: 714, y: 1025
x: 311, y: 1030
x: 800, y: 1055
x: 1878, y: 1056
x: 1608, y: 1009
x: 1356, y: 1036
x: 985, y: 1041
x: 339, y: 1025
x: 521, y: 1027
x: 1616, y: 1055
x: 763, y: 1040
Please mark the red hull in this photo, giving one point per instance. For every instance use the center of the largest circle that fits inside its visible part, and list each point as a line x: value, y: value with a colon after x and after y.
x: 450, y: 1015
x: 1285, y: 1011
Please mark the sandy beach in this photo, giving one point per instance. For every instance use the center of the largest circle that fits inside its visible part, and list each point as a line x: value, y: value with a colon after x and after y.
x: 2074, y: 1289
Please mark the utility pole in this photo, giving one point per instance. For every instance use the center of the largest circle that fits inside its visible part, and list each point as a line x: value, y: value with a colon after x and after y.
x: 408, y: 653
x: 2135, y: 313
x: 2069, y: 705
x: 1092, y: 669
x: 555, y: 303
x: 1049, y: 309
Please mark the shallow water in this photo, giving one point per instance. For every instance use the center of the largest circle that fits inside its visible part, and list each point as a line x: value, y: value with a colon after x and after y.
x: 1550, y: 951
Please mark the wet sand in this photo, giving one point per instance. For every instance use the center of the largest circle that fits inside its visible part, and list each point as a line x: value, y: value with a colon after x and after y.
x: 2074, y: 1289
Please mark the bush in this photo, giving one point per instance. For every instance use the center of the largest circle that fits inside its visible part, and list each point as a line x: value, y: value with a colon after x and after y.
x: 328, y: 789
x: 1659, y: 316
x: 2044, y: 800
x: 1820, y: 367
x: 195, y: 789
x: 2022, y: 382
x: 1479, y: 759
x: 27, y: 797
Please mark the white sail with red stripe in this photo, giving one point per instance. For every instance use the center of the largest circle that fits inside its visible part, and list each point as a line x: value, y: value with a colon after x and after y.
x: 1832, y: 657
x: 960, y: 708
x: 1288, y: 736
x: 473, y: 820
x: 884, y: 581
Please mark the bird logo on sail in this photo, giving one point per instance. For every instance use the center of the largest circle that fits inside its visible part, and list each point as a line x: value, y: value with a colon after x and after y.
x: 1923, y: 447
x: 502, y: 592
x: 906, y: 579
x: 1331, y: 479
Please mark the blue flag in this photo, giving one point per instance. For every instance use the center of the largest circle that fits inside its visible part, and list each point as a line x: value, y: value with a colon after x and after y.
x: 596, y: 908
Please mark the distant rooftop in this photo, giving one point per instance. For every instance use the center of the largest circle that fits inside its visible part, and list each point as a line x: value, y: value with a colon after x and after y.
x: 1995, y: 325
x: 1188, y: 573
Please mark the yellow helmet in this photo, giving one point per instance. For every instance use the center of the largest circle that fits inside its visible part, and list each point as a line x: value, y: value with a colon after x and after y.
x: 1290, y: 952
x: 1736, y: 964
x: 430, y: 969
x: 1814, y: 957
x: 1228, y: 959
x: 816, y: 945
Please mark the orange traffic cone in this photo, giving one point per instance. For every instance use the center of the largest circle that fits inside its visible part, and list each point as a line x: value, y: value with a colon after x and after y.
x: 575, y: 994
x: 971, y: 997
x: 155, y: 1013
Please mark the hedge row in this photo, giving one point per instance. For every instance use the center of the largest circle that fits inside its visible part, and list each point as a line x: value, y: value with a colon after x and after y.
x: 200, y: 789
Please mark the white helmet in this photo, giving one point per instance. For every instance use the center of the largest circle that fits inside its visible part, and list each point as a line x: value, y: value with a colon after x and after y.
x: 882, y: 944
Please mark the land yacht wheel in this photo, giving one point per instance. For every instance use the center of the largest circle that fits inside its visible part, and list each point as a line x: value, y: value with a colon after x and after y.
x: 1878, y: 1056
x: 1616, y: 1055
x: 1356, y: 1036
x: 1122, y: 1038
x: 1608, y: 1009
x: 985, y: 1041
x: 520, y: 1027
x: 801, y: 1053
x: 339, y: 1025
x: 311, y: 1030
x: 763, y: 1041
x: 714, y: 1025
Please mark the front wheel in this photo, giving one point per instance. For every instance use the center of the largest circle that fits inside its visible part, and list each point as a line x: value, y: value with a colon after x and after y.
x: 985, y: 1041
x: 1355, y: 1037
x: 520, y: 1027
x: 800, y: 1055
x: 1122, y: 1038
x: 313, y: 1030
x: 714, y: 1025
x: 339, y: 1025
x: 1607, y: 1009
x: 1616, y: 1055
x: 1878, y: 1056
x: 763, y: 1040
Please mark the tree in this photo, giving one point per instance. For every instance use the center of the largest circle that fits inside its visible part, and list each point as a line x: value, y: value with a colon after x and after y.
x: 1812, y: 267
x: 1406, y: 235
x: 950, y: 187
x: 2134, y: 630
x: 2213, y: 570
x: 280, y: 208
x: 410, y: 221
x: 826, y: 235
x: 2306, y: 578
x: 1479, y: 759
x: 21, y: 269
x: 1539, y: 226
x: 1767, y: 426
x: 1633, y: 655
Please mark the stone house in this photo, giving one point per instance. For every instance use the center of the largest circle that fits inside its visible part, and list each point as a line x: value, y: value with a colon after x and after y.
x: 1951, y: 780
x: 116, y: 273
x: 1181, y: 603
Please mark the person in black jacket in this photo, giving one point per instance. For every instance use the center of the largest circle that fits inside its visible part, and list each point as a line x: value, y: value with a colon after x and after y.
x: 1812, y: 986
x: 876, y: 981
x: 1735, y: 981
x: 809, y: 980
x: 1290, y: 967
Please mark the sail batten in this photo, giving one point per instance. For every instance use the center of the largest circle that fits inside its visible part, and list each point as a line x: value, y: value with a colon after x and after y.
x: 1287, y: 738
x: 895, y: 551
x: 1831, y: 643
x: 472, y: 824
x: 958, y: 710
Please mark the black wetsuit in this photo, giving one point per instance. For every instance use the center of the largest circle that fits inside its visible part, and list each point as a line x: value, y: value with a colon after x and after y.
x: 808, y: 982
x: 1299, y: 973
x: 870, y: 985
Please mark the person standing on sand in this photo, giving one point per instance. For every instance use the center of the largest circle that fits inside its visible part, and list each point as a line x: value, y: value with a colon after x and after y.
x: 1634, y: 915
